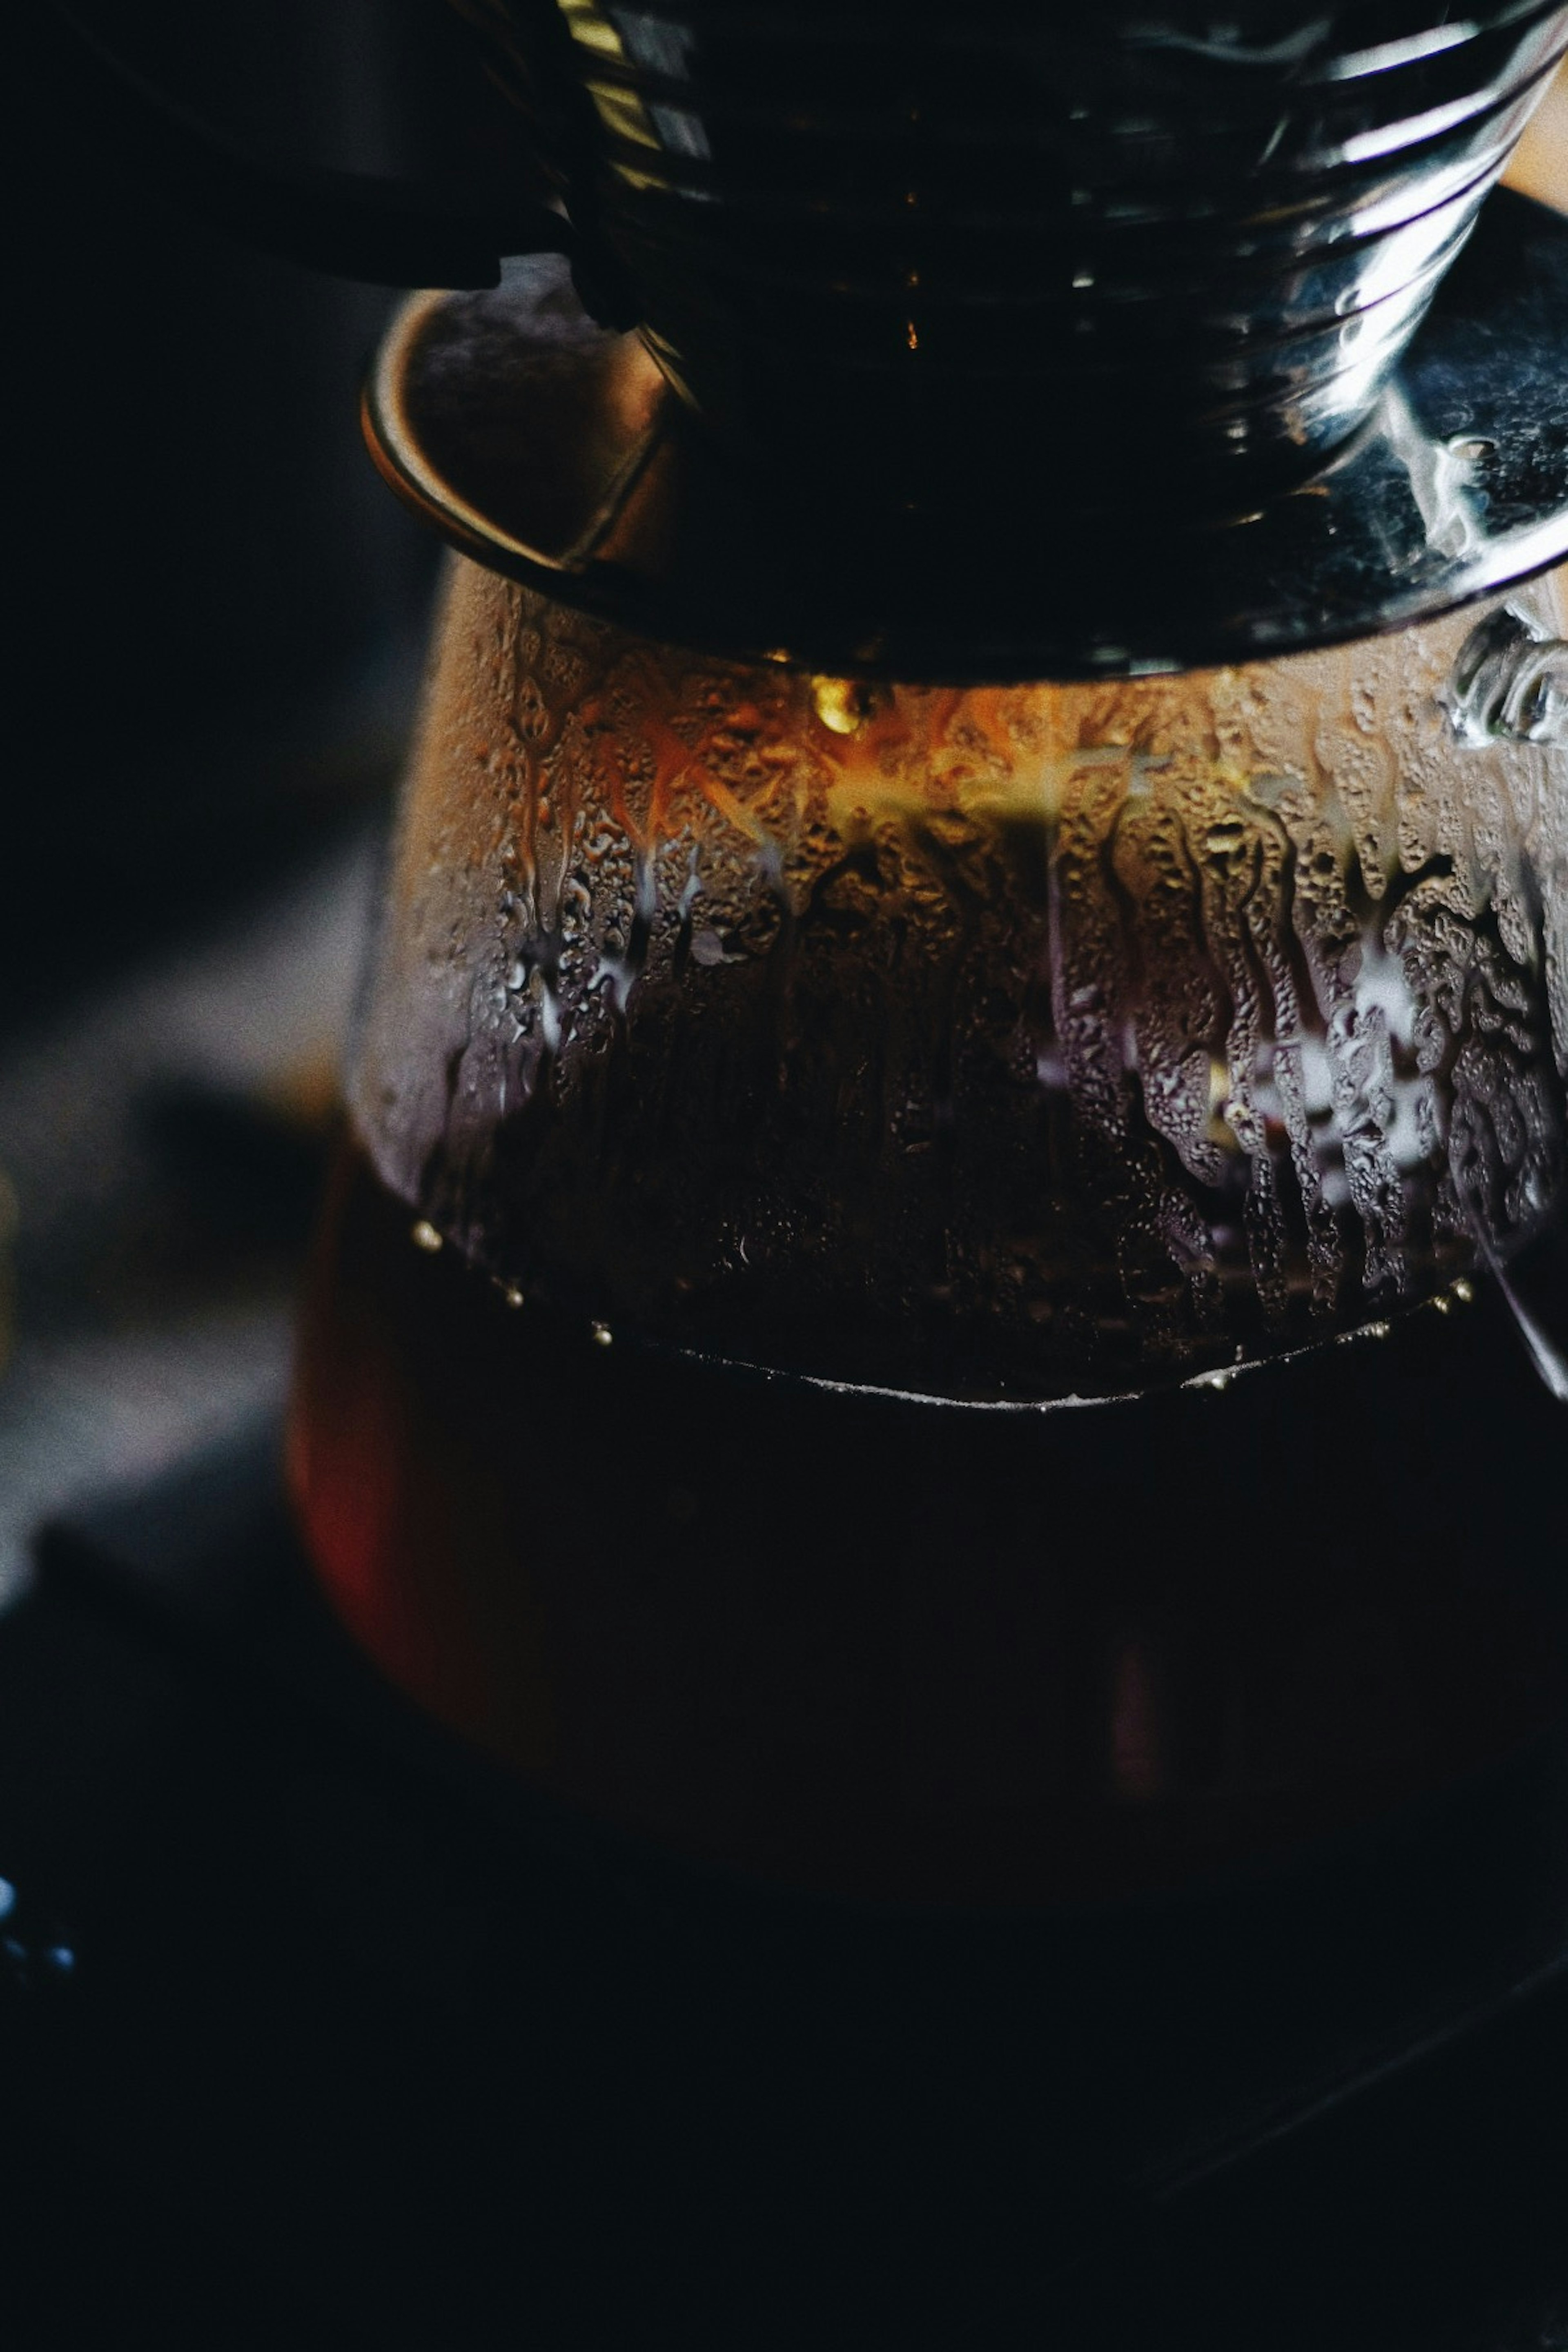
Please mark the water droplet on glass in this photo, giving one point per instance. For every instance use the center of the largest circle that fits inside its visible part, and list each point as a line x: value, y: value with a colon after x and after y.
x: 1510, y: 681
x: 841, y: 703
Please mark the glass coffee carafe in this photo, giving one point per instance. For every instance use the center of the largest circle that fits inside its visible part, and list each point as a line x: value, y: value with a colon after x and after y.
x: 960, y: 1107
x: 903, y: 1290
x: 961, y: 1098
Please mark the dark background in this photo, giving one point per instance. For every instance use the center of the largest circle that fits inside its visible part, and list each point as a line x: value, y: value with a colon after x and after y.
x: 217, y: 612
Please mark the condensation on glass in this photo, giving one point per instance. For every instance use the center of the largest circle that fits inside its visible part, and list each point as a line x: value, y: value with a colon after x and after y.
x: 997, y: 1044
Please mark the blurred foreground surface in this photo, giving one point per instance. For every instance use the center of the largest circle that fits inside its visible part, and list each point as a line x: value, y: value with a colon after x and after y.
x: 314, y: 2028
